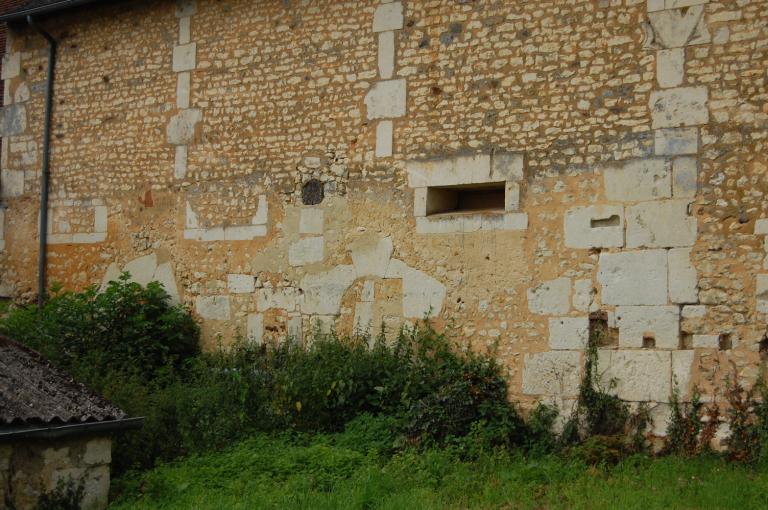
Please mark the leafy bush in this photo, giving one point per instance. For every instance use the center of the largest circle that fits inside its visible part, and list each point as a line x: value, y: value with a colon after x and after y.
x: 684, y: 425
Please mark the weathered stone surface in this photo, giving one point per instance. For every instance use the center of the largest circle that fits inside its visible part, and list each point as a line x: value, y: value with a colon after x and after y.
x: 307, y: 250
x: 241, y: 283
x: 676, y: 141
x: 639, y: 375
x: 282, y: 298
x: 182, y: 89
x: 467, y: 169
x: 12, y: 183
x: 633, y: 277
x: 142, y: 269
x: 693, y: 311
x: 323, y: 291
x: 511, y: 196
x: 372, y: 259
x: 423, y: 295
x: 98, y: 451
x: 596, y: 226
x: 583, y: 295
x: 181, y: 128
x: 254, y: 328
x: 762, y: 293
x: 311, y: 221
x: 683, y: 281
x: 363, y: 321
x: 13, y: 119
x: 660, y: 323
x: 11, y: 65
x: 552, y: 373
x: 706, y: 341
x: 185, y: 8
x: 685, y: 177
x: 386, y: 99
x: 388, y: 16
x: 660, y: 224
x: 466, y: 223
x: 386, y: 55
x: 165, y: 277
x: 184, y: 57
x: 507, y: 166
x: 761, y: 226
x: 635, y: 180
x: 682, y: 365
x: 679, y: 107
x: 551, y: 297
x: 670, y: 67
x: 180, y: 162
x: 213, y: 307
x: 570, y: 333
x: 384, y: 139
x: 672, y: 28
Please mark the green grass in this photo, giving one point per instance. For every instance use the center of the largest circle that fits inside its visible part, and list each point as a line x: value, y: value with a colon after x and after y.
x: 325, y: 472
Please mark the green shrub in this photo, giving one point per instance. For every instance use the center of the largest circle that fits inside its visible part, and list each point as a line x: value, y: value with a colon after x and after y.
x: 684, y: 425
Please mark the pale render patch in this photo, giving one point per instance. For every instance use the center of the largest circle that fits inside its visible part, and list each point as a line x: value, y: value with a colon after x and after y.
x: 307, y: 250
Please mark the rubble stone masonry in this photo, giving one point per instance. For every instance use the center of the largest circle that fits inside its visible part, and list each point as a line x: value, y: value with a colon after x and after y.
x: 520, y: 172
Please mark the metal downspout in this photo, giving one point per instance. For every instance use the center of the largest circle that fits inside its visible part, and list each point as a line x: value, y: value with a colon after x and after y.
x: 45, y: 173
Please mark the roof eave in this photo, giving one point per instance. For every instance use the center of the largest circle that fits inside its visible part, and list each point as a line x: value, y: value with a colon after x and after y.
x: 43, y: 9
x: 71, y: 429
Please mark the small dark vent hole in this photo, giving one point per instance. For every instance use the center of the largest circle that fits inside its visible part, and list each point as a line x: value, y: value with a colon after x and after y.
x: 649, y: 342
x: 724, y: 342
x: 686, y: 340
x: 312, y: 192
x: 611, y: 221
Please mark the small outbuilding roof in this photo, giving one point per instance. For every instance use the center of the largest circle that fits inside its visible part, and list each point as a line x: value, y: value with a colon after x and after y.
x: 36, y: 396
x: 36, y: 7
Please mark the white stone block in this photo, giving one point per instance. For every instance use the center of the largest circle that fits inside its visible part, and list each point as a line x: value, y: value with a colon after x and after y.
x: 640, y: 179
x: 363, y: 320
x: 552, y: 373
x: 181, y: 128
x: 244, y: 232
x: 180, y: 162
x: 184, y: 30
x: 98, y: 451
x: 372, y: 259
x: 694, y: 311
x: 184, y: 57
x: 386, y: 99
x: 306, y: 251
x: 706, y: 341
x: 467, y: 169
x: 183, y: 81
x: 388, y: 16
x: 679, y: 107
x: 185, y: 8
x: 761, y: 227
x: 670, y: 67
x: 142, y: 269
x: 367, y: 294
x: 13, y: 120
x: 682, y: 366
x: 515, y: 221
x: 241, y: 283
x: 311, y: 221
x: 11, y: 65
x: 583, y: 295
x: 511, y: 196
x: 12, y: 182
x: 254, y: 328
x: 673, y: 28
x: 295, y: 329
x: 640, y: 375
x: 660, y: 224
x: 423, y: 295
x: 386, y: 55
x: 676, y: 4
x: 683, y: 280
x: 551, y: 297
x: 633, y: 277
x: 568, y: 333
x: 661, y: 323
x: 507, y: 166
x: 596, y: 226
x: 654, y: 5
x: 384, y: 139
x: 324, y: 291
x: 280, y: 298
x: 420, y: 202
x: 685, y: 177
x: 676, y: 141
x: 214, y: 308
x: 261, y: 217
x: 100, y: 218
x: 762, y: 293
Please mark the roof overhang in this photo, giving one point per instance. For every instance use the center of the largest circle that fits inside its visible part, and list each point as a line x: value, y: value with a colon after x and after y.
x: 69, y: 429
x: 21, y: 14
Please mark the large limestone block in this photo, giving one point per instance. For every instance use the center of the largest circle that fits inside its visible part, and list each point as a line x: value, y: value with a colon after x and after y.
x: 181, y: 128
x: 595, y: 226
x: 306, y: 251
x: 184, y: 57
x: 762, y: 293
x: 551, y: 297
x: 11, y: 183
x: 11, y: 65
x: 676, y: 141
x: 673, y: 28
x: 388, y: 16
x: 670, y: 67
x: 682, y: 366
x: 13, y: 119
x: 636, y: 375
x: 660, y: 323
x: 423, y: 295
x: 679, y: 107
x: 685, y: 177
x: 213, y: 307
x: 633, y: 277
x: 386, y: 99
x: 185, y: 8
x: 683, y: 281
x: 660, y: 224
x: 568, y: 333
x: 324, y: 291
x: 464, y: 169
x: 507, y: 166
x: 254, y: 328
x: 554, y: 373
x: 637, y: 180
x: 386, y: 55
x: 142, y: 269
x: 372, y: 259
x: 311, y: 221
x: 241, y: 283
x: 280, y: 298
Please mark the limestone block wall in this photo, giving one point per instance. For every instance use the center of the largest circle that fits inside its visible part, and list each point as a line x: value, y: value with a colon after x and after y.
x: 29, y: 468
x: 522, y: 173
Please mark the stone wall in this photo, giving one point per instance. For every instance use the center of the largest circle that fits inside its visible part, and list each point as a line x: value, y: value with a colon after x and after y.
x: 29, y: 468
x: 283, y: 164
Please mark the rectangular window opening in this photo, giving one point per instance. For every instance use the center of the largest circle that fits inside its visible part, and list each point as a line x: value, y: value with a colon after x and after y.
x: 472, y: 198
